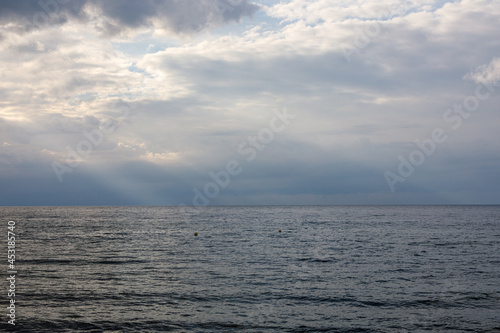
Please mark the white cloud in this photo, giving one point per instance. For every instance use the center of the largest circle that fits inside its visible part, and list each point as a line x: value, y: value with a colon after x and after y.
x: 487, y: 73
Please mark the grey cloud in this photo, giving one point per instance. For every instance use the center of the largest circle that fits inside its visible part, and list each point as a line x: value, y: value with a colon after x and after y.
x: 186, y: 16
x: 416, y: 77
x: 18, y: 8
x: 79, y: 190
x: 34, y: 14
x: 12, y: 132
x: 324, y: 178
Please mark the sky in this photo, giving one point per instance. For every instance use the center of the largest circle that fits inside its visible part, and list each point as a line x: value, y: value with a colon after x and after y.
x: 234, y: 102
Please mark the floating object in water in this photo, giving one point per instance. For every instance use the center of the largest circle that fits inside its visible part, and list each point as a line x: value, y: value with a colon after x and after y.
x: 279, y: 230
x: 225, y: 221
x: 196, y: 234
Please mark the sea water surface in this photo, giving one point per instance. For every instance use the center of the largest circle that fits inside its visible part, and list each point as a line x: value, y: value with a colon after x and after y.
x: 330, y: 269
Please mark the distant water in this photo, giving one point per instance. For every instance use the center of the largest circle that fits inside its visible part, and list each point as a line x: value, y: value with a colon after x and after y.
x: 330, y: 269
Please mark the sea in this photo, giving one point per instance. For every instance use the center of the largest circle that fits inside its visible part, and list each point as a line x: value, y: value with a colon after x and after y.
x: 254, y: 269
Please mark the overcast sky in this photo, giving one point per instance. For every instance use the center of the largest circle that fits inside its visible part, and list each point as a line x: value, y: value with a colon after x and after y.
x: 170, y: 102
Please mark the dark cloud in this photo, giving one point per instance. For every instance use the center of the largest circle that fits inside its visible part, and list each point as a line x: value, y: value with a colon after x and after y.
x: 35, y: 14
x: 179, y: 16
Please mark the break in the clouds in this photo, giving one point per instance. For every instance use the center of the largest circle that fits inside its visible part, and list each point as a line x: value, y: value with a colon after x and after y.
x: 240, y: 102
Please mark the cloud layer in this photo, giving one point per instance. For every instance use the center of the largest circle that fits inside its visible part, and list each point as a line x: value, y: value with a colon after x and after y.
x: 113, y: 16
x: 156, y: 96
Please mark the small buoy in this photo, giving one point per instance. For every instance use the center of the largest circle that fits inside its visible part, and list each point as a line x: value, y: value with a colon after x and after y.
x: 279, y: 230
x: 196, y: 234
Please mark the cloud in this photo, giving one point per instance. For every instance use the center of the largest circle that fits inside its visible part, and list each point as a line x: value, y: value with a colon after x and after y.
x: 194, y: 101
x: 486, y: 74
x: 179, y: 16
x: 113, y: 16
x: 28, y: 15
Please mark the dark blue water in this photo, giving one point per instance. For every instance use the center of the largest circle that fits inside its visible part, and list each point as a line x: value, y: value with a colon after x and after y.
x: 330, y: 269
